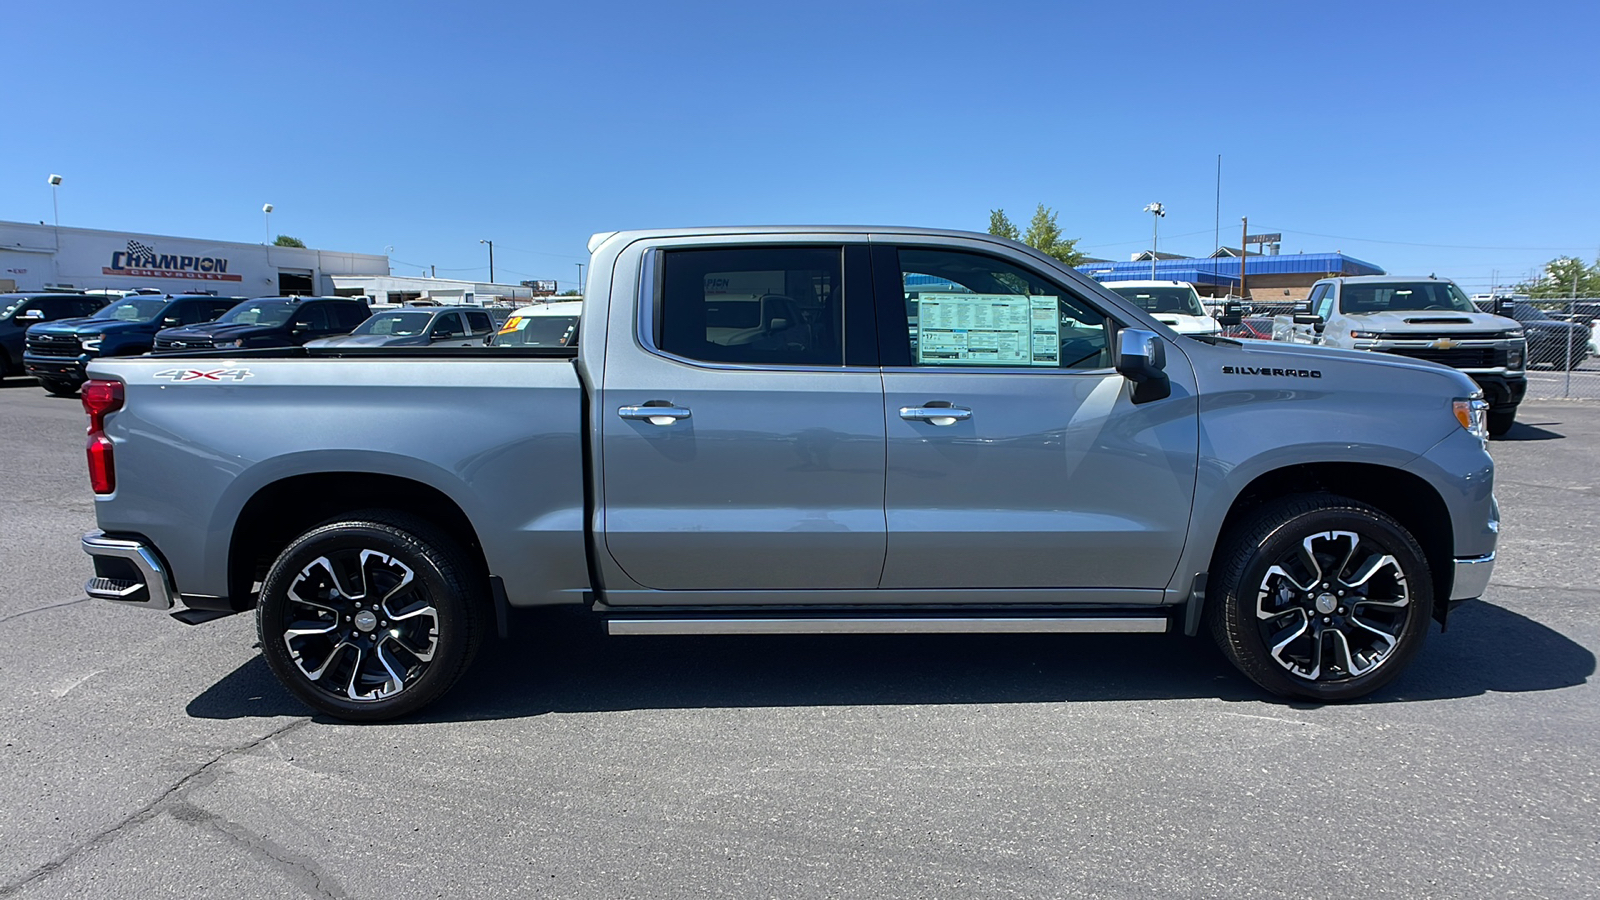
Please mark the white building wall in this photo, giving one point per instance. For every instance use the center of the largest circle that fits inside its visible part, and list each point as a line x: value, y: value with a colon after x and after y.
x: 35, y: 256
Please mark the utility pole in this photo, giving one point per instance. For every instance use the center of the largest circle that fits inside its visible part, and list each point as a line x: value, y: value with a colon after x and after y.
x: 1244, y: 251
x: 580, y: 277
x: 491, y: 258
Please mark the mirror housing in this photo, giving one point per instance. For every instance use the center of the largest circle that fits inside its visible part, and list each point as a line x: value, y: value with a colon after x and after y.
x: 1232, y: 314
x: 1502, y: 306
x: 171, y: 321
x: 1307, y: 319
x: 1142, y: 358
x: 28, y: 317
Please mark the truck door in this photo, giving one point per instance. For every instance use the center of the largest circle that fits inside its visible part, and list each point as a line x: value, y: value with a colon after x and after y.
x: 1016, y: 457
x: 742, y: 436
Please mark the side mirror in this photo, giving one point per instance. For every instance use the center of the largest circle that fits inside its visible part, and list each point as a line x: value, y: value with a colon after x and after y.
x: 1307, y: 319
x: 171, y: 321
x: 1142, y: 359
x: 1502, y: 307
x: 1232, y: 314
x: 29, y: 317
x: 488, y: 339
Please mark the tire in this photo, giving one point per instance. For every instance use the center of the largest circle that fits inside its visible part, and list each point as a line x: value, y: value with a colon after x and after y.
x: 1282, y: 635
x: 1501, y: 420
x: 58, y: 388
x: 385, y: 659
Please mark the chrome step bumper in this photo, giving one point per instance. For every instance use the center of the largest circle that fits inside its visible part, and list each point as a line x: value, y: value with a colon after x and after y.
x: 881, y: 624
x: 1471, y: 577
x: 135, y: 577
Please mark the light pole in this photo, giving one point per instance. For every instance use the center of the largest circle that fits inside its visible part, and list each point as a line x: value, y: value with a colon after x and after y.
x: 55, y: 204
x: 491, y: 257
x: 1157, y: 213
x: 580, y: 277
x: 266, y: 212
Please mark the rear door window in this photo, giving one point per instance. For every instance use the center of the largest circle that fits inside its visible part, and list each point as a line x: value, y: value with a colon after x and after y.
x: 480, y: 322
x: 753, y: 305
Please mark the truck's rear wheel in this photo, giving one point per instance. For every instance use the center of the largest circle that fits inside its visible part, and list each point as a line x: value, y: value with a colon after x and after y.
x: 370, y: 617
x: 1320, y: 597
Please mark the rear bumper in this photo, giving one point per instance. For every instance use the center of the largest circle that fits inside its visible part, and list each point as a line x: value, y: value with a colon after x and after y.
x: 1471, y: 577
x: 127, y: 572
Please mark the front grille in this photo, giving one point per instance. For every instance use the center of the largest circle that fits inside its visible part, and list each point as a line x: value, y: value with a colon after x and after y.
x: 188, y: 343
x: 1459, y: 357
x: 52, y: 345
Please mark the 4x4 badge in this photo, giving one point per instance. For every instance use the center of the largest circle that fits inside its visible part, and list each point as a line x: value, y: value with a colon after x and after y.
x: 179, y: 375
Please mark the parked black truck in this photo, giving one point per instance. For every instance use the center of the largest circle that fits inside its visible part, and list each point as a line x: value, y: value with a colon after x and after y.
x: 57, y: 353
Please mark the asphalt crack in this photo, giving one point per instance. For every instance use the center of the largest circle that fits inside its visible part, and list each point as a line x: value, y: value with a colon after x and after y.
x: 302, y: 872
x: 145, y: 813
x: 39, y: 609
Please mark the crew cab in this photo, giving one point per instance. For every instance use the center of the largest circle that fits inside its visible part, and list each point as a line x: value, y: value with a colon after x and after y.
x: 268, y: 322
x: 804, y: 430
x: 1423, y: 318
x: 58, y: 353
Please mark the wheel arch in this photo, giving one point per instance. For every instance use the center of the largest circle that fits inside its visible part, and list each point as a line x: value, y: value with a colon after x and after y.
x: 281, y: 510
x: 1406, y: 497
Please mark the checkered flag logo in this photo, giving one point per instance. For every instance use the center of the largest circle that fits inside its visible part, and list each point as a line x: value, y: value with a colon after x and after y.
x: 140, y: 251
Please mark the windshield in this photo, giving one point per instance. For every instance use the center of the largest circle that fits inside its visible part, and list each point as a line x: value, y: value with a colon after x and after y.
x: 133, y: 309
x: 1404, y: 297
x: 1181, y: 300
x: 1527, y: 312
x: 538, y: 331
x: 259, y: 312
x: 395, y: 324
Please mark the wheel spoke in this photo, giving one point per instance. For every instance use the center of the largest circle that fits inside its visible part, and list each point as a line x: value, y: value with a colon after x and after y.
x: 396, y: 682
x: 317, y: 673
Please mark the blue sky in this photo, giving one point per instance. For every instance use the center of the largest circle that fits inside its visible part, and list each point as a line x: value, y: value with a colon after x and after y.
x: 1458, y: 138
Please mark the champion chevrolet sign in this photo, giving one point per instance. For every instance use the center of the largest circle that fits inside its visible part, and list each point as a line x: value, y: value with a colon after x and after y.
x: 141, y: 260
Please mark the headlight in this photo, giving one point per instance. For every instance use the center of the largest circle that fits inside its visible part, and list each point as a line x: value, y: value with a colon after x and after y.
x: 1515, y: 333
x: 91, y: 343
x: 1473, y: 414
x: 228, y: 345
x: 1514, y: 356
x: 1368, y: 335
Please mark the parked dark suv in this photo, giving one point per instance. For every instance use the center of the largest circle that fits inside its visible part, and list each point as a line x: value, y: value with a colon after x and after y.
x: 20, y: 311
x: 269, y: 322
x: 58, y: 352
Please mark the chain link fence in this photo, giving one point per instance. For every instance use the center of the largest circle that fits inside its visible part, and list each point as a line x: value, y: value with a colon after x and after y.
x: 1563, y: 360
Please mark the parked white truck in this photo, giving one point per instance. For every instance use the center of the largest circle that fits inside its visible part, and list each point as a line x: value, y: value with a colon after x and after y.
x: 1421, y: 318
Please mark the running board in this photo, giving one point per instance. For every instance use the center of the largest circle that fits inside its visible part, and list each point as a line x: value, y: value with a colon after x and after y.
x: 890, y: 625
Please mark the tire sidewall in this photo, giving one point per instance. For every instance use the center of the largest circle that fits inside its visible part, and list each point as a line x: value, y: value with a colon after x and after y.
x: 1373, y: 527
x: 427, y: 562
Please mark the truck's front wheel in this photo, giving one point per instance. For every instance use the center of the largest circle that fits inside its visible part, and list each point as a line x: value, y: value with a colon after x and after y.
x: 1501, y: 419
x: 1320, y: 597
x: 370, y: 617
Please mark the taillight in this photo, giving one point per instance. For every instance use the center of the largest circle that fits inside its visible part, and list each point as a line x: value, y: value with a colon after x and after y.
x: 101, y: 398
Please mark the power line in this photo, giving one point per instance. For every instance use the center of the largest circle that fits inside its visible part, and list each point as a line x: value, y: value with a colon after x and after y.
x: 1339, y: 237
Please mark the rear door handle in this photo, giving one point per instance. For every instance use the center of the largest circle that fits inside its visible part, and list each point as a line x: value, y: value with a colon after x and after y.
x: 655, y: 415
x: 935, y: 415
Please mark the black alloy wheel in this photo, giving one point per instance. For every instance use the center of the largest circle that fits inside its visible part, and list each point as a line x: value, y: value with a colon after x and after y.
x: 1321, y: 598
x: 371, y: 616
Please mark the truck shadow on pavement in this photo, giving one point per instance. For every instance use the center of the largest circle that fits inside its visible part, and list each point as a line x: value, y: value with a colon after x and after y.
x: 1526, y: 432
x: 559, y: 661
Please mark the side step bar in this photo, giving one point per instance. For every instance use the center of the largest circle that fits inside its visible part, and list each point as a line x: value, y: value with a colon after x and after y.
x: 888, y: 625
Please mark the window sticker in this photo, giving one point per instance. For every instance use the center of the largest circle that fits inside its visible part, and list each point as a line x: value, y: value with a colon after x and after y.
x: 987, y: 329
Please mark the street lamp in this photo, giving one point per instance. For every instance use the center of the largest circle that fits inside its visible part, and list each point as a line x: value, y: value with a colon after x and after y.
x: 491, y: 257
x: 1157, y: 213
x: 266, y: 210
x: 55, y: 204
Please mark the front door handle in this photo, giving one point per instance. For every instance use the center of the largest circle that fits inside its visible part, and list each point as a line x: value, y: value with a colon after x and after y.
x: 935, y: 415
x: 655, y: 415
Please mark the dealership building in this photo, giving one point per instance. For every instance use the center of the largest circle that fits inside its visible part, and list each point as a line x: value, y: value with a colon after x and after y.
x: 35, y: 257
x: 1268, y: 278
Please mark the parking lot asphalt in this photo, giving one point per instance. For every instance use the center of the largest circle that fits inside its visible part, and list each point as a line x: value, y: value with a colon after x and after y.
x: 143, y: 758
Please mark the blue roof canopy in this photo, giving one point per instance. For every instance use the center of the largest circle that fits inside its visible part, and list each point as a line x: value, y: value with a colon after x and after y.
x: 1225, y: 271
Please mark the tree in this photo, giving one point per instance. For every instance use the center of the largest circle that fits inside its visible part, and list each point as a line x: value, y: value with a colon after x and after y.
x: 1000, y: 226
x: 1045, y: 235
x: 286, y: 241
x: 1559, y: 276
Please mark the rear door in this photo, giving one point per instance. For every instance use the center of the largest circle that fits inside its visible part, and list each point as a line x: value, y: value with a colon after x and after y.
x: 1016, y: 457
x: 741, y: 425
x: 449, y: 331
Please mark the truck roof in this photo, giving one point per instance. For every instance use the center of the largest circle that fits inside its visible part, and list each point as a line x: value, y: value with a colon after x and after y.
x: 1383, y: 279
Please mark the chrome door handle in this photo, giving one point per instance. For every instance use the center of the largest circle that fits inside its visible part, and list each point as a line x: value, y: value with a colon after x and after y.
x: 655, y: 415
x: 935, y: 415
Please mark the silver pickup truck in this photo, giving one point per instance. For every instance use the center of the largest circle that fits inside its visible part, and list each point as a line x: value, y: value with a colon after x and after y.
x: 813, y: 430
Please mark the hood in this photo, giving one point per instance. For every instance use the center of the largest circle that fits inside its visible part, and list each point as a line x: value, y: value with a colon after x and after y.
x: 1431, y: 321
x: 1279, y: 353
x: 86, y: 326
x: 1183, y: 324
x: 369, y: 340
x: 216, y: 330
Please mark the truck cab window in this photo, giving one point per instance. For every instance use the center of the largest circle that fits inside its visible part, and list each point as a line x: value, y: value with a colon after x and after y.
x: 969, y: 310
x: 756, y: 305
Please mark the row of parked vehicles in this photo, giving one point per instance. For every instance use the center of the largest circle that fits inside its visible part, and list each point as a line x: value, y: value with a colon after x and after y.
x: 54, y: 335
